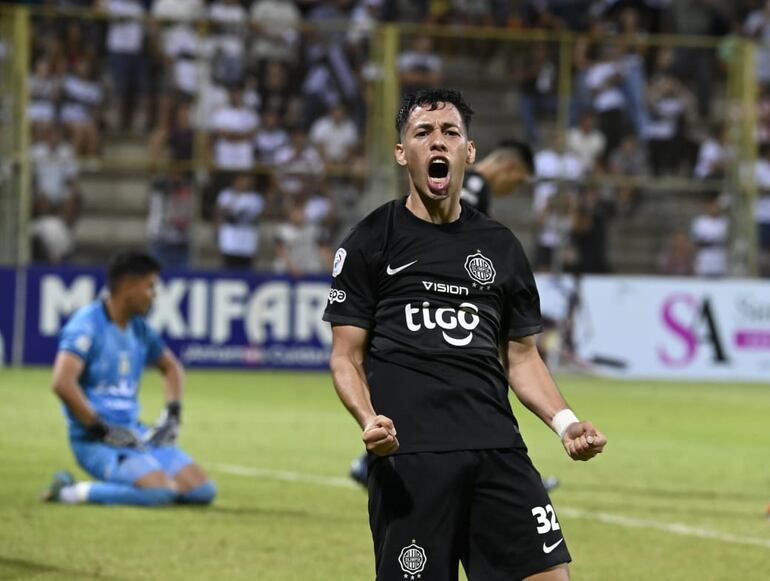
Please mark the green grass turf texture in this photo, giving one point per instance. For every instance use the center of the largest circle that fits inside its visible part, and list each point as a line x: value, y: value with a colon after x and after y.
x: 678, y: 453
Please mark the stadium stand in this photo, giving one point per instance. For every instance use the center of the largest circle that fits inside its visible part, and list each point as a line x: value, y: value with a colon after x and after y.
x: 138, y: 85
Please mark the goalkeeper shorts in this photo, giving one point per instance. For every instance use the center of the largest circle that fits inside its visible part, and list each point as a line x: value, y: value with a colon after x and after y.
x: 127, y: 465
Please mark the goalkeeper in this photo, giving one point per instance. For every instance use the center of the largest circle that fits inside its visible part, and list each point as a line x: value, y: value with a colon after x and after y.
x: 103, y: 350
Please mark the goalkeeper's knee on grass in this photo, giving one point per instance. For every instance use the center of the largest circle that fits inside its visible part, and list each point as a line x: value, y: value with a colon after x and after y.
x: 203, y: 494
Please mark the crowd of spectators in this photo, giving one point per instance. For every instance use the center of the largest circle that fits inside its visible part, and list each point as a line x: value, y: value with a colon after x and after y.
x: 279, y: 89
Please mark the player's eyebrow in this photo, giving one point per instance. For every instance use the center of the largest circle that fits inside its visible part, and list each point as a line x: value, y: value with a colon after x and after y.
x: 429, y: 126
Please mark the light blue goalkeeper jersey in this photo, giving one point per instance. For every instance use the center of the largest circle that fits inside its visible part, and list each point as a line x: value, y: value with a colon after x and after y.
x: 114, y: 360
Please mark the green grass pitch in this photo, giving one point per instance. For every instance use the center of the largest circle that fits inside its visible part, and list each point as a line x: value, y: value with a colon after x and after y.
x: 680, y: 493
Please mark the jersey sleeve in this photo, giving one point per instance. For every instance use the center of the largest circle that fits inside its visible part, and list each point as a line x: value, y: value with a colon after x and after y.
x: 353, y: 296
x: 523, y: 300
x: 77, y: 337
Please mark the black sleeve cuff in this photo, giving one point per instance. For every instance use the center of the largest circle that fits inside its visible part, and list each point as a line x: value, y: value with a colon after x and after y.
x: 525, y: 331
x: 346, y: 320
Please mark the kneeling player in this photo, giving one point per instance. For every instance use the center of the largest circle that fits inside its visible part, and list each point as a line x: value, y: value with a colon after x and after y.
x: 103, y: 350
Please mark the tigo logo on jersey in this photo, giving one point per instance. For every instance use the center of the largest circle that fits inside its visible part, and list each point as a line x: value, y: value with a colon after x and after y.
x: 412, y: 560
x: 480, y: 268
x: 339, y: 261
x: 446, y: 319
x: 337, y: 296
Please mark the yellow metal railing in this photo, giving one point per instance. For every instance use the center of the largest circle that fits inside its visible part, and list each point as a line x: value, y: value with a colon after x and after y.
x: 15, y: 184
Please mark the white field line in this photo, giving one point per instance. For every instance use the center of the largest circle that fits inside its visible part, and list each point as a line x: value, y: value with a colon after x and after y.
x: 283, y: 475
x: 603, y: 517
x: 669, y: 527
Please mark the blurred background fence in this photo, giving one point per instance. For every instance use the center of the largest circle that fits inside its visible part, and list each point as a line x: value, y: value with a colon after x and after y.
x: 123, y: 126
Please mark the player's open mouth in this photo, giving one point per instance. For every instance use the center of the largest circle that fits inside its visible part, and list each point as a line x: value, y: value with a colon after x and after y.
x: 438, y: 175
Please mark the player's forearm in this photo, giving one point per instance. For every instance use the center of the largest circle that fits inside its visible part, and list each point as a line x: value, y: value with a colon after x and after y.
x: 534, y: 387
x: 173, y: 382
x: 350, y: 383
x: 75, y: 400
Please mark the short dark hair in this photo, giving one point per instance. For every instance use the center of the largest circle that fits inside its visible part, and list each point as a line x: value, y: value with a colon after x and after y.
x: 129, y: 263
x: 432, y: 98
x: 523, y: 150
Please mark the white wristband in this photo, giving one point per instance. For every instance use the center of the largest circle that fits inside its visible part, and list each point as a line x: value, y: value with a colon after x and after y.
x: 562, y: 420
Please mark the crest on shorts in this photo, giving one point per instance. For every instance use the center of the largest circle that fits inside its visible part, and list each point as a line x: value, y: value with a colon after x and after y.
x: 480, y: 268
x: 412, y: 560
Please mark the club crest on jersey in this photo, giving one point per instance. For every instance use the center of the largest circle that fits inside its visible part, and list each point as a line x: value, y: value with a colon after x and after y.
x: 339, y: 261
x: 124, y: 363
x: 412, y: 559
x: 480, y: 268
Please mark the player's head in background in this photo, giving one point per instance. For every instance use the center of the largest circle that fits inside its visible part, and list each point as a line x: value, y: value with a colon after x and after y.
x: 131, y: 279
x: 434, y: 144
x: 507, y: 166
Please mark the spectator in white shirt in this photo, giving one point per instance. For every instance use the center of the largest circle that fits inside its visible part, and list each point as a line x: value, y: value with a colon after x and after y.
x: 44, y: 89
x: 335, y: 135
x: 713, y: 155
x: 604, y: 79
x: 363, y: 22
x: 757, y: 27
x: 271, y: 137
x: 420, y: 67
x: 300, y: 165
x: 125, y: 41
x: 275, y: 24
x: 300, y: 246
x: 181, y: 50
x: 56, y: 197
x: 672, y: 110
x: 232, y: 132
x: 82, y: 98
x: 170, y: 218
x: 181, y: 10
x: 709, y: 232
x: 236, y: 217
x: 556, y: 171
x: 586, y: 142
x: 226, y: 44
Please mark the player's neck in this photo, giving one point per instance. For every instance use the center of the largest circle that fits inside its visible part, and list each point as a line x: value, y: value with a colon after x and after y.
x: 434, y: 211
x: 117, y: 313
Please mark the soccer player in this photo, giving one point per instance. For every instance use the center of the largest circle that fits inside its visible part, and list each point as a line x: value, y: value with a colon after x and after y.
x: 434, y: 310
x: 103, y: 350
x: 501, y: 172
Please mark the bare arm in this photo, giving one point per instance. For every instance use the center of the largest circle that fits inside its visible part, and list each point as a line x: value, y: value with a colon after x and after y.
x: 535, y: 388
x: 347, y: 367
x: 173, y: 376
x: 66, y: 370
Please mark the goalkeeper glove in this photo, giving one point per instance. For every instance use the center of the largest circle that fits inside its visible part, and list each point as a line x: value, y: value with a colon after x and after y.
x: 166, y: 429
x: 117, y: 436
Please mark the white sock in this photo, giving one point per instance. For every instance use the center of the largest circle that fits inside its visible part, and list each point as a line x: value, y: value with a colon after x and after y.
x: 76, y: 493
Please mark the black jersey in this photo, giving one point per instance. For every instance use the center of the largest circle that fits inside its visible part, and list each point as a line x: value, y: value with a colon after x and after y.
x: 476, y: 191
x: 440, y: 301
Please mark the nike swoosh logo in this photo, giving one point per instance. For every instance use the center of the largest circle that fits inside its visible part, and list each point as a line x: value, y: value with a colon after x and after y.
x: 547, y: 549
x: 392, y: 271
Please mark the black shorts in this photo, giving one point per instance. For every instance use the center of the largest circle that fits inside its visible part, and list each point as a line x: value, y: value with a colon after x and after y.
x: 485, y: 508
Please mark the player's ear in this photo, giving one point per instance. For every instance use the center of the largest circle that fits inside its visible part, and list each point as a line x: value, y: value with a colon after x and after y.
x: 399, y: 154
x: 471, y: 157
